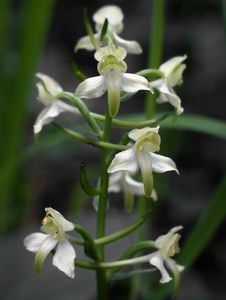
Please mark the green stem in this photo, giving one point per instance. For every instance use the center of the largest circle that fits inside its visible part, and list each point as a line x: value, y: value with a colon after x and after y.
x: 82, y: 138
x: 102, y: 293
x: 156, y: 48
x: 83, y: 110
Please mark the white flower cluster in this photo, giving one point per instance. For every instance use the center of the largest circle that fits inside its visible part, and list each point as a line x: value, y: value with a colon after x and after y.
x: 140, y: 153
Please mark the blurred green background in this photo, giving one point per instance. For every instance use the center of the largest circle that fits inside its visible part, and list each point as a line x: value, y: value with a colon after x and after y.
x: 39, y: 35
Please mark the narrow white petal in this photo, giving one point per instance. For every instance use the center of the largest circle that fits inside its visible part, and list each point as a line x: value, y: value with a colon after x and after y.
x: 157, y: 261
x: 114, y: 15
x: 132, y: 83
x: 65, y: 224
x: 64, y: 258
x: 161, y: 164
x: 176, y: 229
x: 157, y: 83
x: 115, y: 182
x: 51, y: 85
x: 145, y: 164
x: 135, y: 187
x: 168, y: 67
x: 176, y: 269
x: 175, y: 78
x: 50, y: 112
x: 93, y: 87
x: 47, y: 245
x: 34, y: 241
x: 124, y: 161
x: 132, y: 47
x: 167, y: 94
x: 85, y: 43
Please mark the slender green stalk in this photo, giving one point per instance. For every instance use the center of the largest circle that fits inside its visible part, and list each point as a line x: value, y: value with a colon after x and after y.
x: 82, y: 138
x: 156, y: 48
x: 102, y: 205
x: 83, y: 110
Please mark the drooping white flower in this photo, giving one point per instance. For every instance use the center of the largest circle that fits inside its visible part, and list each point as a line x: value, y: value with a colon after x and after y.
x: 167, y: 246
x: 113, y: 78
x: 123, y: 181
x: 54, y: 226
x: 141, y: 155
x: 115, y: 17
x: 172, y: 71
x: 48, y: 89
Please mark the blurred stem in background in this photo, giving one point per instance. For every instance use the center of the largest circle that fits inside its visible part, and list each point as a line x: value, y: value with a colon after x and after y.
x: 154, y: 60
x: 36, y: 15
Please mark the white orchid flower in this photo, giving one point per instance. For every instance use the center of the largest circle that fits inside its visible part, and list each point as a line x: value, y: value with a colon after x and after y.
x: 115, y: 17
x: 112, y: 79
x: 123, y: 181
x: 54, y: 227
x: 141, y: 155
x: 167, y: 246
x: 172, y: 71
x: 48, y: 89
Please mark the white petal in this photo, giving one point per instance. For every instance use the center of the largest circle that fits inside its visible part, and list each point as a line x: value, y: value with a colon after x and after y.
x: 168, y: 95
x: 114, y: 15
x: 124, y: 161
x: 145, y: 164
x: 175, y: 78
x: 157, y: 261
x: 137, y: 134
x: 47, y: 245
x: 176, y: 269
x: 50, y: 112
x: 132, y: 47
x: 34, y: 241
x: 168, y: 67
x: 64, y: 258
x: 176, y: 229
x: 43, y: 95
x: 115, y: 182
x: 51, y: 85
x: 135, y: 187
x: 65, y: 224
x: 85, y: 43
x: 132, y: 83
x: 161, y: 164
x: 93, y: 87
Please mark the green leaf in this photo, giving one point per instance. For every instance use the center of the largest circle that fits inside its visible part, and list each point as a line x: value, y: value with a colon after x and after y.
x: 104, y: 30
x: 196, y: 123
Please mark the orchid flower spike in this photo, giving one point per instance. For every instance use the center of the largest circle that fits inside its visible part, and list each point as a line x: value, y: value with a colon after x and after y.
x: 172, y: 71
x: 54, y: 226
x: 141, y: 155
x: 114, y: 15
x: 167, y: 246
x: 113, y: 78
x: 48, y: 89
x: 123, y: 181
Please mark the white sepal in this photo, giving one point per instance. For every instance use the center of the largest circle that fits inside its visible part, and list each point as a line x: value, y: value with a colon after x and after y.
x: 124, y: 161
x: 92, y: 87
x: 162, y: 164
x: 34, y: 241
x: 64, y: 258
x: 132, y: 83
